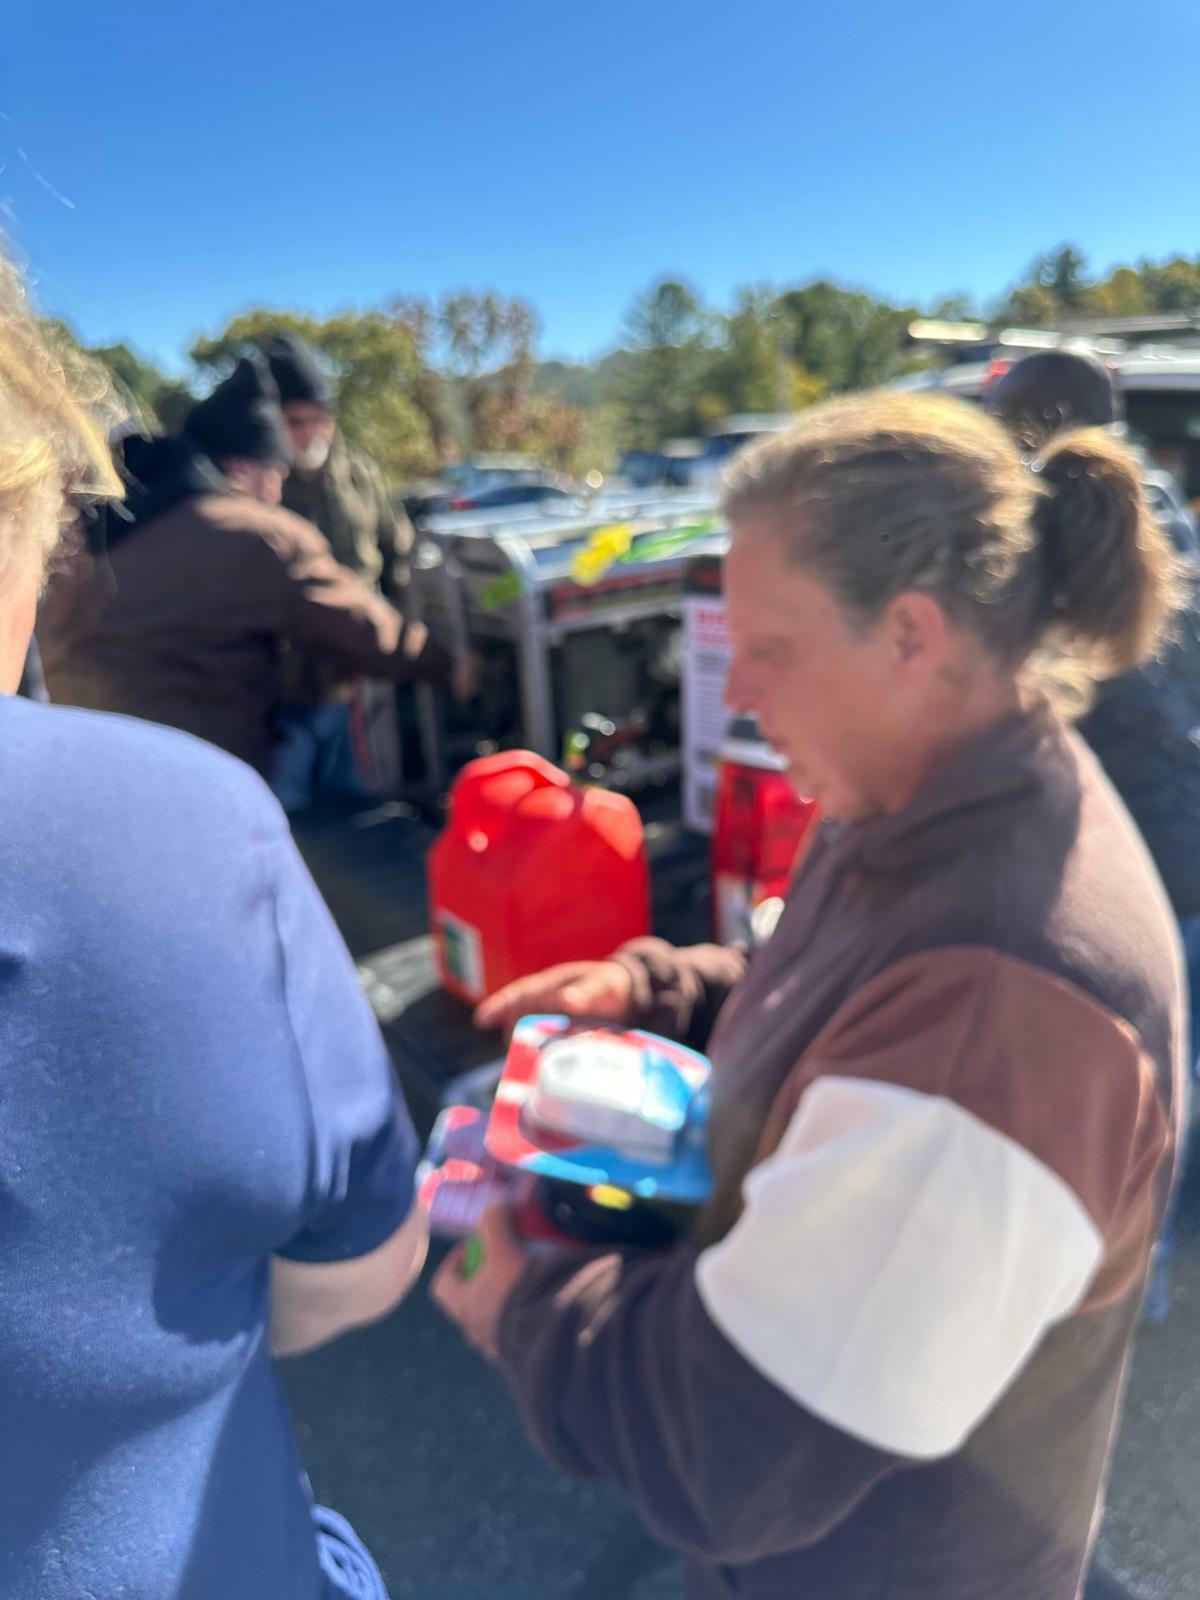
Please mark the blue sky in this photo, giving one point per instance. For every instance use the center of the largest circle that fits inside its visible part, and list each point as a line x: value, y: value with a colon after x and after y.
x: 183, y: 160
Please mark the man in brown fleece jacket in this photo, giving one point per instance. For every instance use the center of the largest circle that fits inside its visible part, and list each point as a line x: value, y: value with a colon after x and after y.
x: 184, y: 611
x: 888, y: 1363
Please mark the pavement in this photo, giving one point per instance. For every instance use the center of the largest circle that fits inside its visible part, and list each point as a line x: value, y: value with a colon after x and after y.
x: 409, y: 1434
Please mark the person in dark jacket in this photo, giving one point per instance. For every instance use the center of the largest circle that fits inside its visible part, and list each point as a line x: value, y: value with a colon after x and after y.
x: 340, y: 491
x: 1144, y: 725
x: 181, y: 607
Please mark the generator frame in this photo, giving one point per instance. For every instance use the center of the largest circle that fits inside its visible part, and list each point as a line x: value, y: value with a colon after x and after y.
x: 516, y: 579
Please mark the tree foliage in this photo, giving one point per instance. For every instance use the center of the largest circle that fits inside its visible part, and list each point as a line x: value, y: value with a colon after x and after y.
x: 1058, y: 285
x: 657, y: 390
x: 374, y: 361
x: 422, y: 382
x: 683, y: 367
x: 843, y: 337
x: 419, y: 383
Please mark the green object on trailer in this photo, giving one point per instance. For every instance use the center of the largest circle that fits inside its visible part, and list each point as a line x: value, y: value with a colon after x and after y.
x: 659, y: 546
x: 500, y: 592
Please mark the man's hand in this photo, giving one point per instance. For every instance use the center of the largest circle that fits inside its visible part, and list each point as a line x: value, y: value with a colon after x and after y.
x: 495, y: 1261
x: 464, y: 677
x: 602, y: 990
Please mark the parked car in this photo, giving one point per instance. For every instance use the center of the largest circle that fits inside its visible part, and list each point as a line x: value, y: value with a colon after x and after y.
x: 727, y: 437
x: 515, y: 494
x: 487, y: 482
x: 490, y: 470
x: 642, y: 469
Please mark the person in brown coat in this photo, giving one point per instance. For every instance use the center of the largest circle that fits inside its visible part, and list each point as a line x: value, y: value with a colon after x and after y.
x: 181, y: 608
x: 888, y: 1362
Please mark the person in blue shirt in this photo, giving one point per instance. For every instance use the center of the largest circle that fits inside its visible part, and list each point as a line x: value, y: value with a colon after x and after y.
x: 204, y: 1159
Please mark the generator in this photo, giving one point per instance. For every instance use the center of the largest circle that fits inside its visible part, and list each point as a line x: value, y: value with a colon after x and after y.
x: 578, y: 623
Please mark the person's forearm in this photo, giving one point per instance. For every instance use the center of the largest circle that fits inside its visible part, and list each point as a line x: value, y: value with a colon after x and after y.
x: 315, y: 1302
x: 330, y: 614
x: 619, y: 1372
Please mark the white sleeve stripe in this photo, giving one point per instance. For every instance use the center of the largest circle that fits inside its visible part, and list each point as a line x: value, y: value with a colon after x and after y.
x: 896, y: 1264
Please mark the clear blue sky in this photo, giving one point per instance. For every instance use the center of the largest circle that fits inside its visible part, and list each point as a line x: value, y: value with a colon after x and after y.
x: 216, y: 155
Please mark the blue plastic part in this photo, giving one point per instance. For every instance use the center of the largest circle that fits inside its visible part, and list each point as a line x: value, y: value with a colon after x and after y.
x: 671, y: 1103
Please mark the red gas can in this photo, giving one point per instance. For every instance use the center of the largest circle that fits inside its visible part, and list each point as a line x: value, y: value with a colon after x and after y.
x: 531, y: 870
x: 760, y: 828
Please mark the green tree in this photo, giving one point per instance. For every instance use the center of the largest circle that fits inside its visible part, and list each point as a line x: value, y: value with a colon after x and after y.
x: 486, y: 344
x: 1122, y: 294
x: 556, y: 433
x: 1030, y: 305
x: 1171, y: 285
x: 428, y: 389
x: 1064, y: 273
x: 666, y: 347
x: 844, y: 338
x: 958, y: 307
x: 1055, y: 285
x: 577, y: 383
x: 751, y: 367
x: 804, y: 387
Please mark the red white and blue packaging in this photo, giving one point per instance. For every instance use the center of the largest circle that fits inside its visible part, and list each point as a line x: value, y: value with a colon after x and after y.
x: 617, y: 1113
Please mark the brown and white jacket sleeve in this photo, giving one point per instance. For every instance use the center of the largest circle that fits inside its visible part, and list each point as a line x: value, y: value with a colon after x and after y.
x: 969, y: 1152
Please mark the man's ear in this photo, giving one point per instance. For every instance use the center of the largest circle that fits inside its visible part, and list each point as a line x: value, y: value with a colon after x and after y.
x: 917, y: 631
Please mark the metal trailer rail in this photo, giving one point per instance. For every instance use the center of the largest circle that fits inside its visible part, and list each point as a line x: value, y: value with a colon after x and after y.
x: 516, y: 578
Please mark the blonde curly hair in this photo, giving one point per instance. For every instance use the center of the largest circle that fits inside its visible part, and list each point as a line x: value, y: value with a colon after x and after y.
x: 57, y: 407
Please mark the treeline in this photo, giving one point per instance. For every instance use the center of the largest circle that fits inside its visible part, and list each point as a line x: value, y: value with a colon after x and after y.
x: 424, y: 383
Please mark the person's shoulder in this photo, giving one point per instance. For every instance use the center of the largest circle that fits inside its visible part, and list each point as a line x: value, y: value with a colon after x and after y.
x: 127, y: 767
x: 362, y: 466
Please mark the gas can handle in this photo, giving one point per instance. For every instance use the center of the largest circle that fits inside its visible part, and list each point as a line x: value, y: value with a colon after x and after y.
x: 475, y: 797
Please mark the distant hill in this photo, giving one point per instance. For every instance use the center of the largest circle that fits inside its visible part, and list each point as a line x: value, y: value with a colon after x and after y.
x: 581, y: 384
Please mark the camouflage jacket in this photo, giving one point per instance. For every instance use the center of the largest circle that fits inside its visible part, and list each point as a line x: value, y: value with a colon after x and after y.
x: 347, y: 501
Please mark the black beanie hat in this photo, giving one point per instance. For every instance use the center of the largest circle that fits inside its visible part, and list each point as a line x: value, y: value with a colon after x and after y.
x: 295, y: 370
x: 241, y: 417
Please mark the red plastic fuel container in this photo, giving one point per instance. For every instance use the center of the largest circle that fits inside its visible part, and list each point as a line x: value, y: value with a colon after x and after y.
x: 760, y: 825
x: 531, y: 870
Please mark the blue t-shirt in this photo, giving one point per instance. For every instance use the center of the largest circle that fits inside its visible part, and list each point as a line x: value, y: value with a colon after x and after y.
x: 190, y: 1082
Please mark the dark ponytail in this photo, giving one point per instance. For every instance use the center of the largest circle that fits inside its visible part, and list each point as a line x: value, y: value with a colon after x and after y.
x: 1111, y: 574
